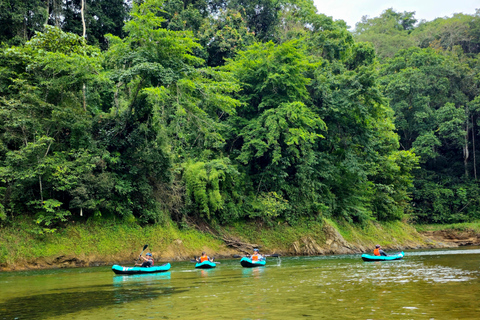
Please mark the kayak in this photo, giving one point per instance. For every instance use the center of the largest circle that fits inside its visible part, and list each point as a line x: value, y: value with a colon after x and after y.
x: 139, y: 270
x: 398, y: 256
x: 205, y: 265
x: 248, y: 263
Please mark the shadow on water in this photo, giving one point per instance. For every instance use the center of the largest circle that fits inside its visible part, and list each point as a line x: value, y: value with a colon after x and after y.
x: 43, y: 306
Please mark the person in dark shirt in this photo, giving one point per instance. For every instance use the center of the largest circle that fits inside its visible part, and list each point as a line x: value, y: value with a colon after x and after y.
x: 147, y: 261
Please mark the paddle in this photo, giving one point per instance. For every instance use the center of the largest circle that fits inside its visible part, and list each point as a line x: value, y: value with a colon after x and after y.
x: 275, y: 255
x: 196, y: 261
x: 144, y: 247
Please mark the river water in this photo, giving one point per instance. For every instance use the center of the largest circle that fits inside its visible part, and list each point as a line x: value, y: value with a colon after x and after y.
x: 433, y: 284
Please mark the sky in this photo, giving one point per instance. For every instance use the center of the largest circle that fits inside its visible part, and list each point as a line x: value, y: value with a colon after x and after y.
x: 352, y: 10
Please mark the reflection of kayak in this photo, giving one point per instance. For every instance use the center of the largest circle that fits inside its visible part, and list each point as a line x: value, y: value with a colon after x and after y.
x: 205, y: 265
x: 142, y: 277
x: 248, y: 263
x: 367, y: 257
x: 139, y: 270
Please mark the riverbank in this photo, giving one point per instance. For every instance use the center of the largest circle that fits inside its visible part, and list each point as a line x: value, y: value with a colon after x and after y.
x: 97, y: 243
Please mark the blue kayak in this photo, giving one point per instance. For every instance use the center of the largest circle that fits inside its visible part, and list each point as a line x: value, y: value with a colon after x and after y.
x: 139, y: 270
x: 205, y: 265
x: 398, y: 256
x: 248, y: 263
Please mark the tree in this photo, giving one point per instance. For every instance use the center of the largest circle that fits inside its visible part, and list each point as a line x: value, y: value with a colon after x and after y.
x: 430, y: 92
x: 224, y: 36
x: 44, y: 126
x: 20, y: 19
x: 389, y: 32
x: 101, y: 17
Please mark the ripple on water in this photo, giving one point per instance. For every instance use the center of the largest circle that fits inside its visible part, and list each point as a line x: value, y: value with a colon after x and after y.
x: 409, y: 272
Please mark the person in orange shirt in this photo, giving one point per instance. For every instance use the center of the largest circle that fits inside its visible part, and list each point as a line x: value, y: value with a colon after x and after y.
x: 256, y: 256
x: 378, y: 251
x: 204, y: 257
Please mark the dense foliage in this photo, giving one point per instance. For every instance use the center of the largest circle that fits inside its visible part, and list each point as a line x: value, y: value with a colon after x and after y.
x: 227, y: 110
x: 430, y: 74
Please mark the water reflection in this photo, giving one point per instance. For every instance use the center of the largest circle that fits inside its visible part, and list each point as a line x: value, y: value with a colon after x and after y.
x: 43, y: 306
x: 255, y: 272
x: 440, y: 284
x: 147, y: 278
x: 205, y: 273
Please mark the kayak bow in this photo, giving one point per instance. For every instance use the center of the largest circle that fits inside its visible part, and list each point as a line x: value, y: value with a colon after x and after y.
x: 248, y: 263
x: 205, y: 265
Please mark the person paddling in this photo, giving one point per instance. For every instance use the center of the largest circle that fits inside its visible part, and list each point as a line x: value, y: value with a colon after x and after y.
x: 147, y: 261
x: 378, y: 251
x: 256, y: 256
x: 204, y: 258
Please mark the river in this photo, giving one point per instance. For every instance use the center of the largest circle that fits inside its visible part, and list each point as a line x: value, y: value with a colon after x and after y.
x: 426, y: 284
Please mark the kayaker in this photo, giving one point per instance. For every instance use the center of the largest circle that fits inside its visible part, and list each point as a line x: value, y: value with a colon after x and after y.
x: 147, y: 261
x: 378, y: 251
x: 204, y: 258
x: 256, y: 256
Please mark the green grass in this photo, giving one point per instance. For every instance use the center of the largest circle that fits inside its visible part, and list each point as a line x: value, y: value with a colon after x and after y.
x: 394, y: 233
x: 103, y: 240
x: 281, y: 237
x: 109, y: 241
x: 474, y: 226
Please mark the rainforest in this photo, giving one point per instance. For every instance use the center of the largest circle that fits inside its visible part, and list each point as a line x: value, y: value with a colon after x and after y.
x: 219, y: 112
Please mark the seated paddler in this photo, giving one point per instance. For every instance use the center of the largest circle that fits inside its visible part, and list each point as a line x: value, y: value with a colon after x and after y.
x: 204, y: 258
x: 378, y: 251
x: 147, y: 261
x: 256, y: 256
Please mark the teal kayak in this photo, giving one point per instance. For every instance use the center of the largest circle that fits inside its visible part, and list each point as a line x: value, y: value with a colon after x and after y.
x: 248, y: 263
x: 205, y: 265
x: 398, y: 256
x: 139, y: 270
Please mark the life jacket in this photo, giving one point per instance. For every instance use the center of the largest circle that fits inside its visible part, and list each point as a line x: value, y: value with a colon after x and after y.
x: 255, y: 257
x: 203, y: 258
x: 376, y: 252
x: 151, y: 260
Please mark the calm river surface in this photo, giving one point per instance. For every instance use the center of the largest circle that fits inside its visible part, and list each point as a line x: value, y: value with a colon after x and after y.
x: 433, y: 284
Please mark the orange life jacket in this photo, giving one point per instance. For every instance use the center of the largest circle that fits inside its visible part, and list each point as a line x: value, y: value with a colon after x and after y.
x: 376, y: 252
x: 203, y: 258
x: 255, y: 257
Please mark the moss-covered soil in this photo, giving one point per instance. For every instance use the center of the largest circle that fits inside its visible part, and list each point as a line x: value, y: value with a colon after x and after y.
x: 106, y: 242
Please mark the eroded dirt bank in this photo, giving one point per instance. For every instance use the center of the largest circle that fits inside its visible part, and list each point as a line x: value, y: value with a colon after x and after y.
x: 453, y: 238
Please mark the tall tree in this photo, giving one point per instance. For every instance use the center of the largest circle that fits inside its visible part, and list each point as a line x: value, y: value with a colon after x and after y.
x: 101, y: 17
x: 20, y: 19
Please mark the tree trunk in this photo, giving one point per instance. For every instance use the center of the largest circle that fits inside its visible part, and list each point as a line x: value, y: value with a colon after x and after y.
x: 473, y: 149
x: 41, y: 187
x: 48, y: 11
x: 83, y: 19
x: 465, y: 149
x: 84, y: 89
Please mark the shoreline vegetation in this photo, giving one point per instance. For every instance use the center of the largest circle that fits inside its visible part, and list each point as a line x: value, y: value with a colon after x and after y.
x: 97, y: 243
x: 227, y: 125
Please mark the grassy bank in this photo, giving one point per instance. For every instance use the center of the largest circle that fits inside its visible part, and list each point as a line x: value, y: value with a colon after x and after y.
x: 102, y: 241
x: 329, y: 236
x: 465, y: 226
x: 107, y: 242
